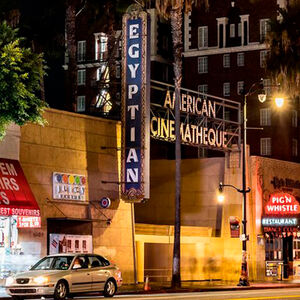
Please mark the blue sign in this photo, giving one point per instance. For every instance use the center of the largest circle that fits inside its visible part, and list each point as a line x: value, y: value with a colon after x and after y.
x: 136, y: 111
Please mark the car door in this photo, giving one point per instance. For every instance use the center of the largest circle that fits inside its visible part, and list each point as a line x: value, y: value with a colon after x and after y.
x: 81, y: 278
x: 99, y: 273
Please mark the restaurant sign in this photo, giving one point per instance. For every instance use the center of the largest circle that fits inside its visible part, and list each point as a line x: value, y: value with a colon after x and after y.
x: 69, y: 186
x: 282, y: 204
x: 135, y: 105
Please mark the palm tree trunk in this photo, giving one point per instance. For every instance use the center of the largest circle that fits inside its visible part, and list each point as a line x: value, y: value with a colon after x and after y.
x: 176, y: 25
x: 70, y: 28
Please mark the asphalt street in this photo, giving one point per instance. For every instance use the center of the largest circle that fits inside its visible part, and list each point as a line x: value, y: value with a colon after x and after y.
x: 284, y: 293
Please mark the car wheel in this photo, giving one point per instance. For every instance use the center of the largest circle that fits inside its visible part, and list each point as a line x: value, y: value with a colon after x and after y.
x: 110, y: 288
x: 61, y: 290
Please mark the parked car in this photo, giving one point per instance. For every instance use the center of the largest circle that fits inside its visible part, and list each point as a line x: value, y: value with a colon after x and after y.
x: 65, y: 275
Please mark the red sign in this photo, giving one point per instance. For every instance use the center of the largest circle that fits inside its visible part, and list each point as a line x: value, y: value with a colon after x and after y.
x: 16, y: 197
x: 282, y: 204
x: 28, y: 222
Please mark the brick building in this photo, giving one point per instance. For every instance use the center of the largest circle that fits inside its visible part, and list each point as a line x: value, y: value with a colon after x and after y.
x: 224, y: 52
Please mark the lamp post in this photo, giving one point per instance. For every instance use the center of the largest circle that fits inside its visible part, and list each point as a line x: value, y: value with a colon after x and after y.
x: 244, y: 280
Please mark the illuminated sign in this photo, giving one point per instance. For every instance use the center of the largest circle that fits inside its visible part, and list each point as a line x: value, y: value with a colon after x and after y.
x: 279, y: 221
x: 135, y: 105
x: 282, y: 204
x: 196, y: 134
x: 69, y: 186
x: 16, y: 197
x: 28, y: 222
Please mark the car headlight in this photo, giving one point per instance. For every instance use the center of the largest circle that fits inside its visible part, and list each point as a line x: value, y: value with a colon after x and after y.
x: 9, y: 280
x: 40, y: 280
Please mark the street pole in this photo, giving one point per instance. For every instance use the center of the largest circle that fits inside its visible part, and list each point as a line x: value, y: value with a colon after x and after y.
x: 244, y: 281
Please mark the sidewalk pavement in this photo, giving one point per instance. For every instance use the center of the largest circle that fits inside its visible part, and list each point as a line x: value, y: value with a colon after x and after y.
x: 193, y: 286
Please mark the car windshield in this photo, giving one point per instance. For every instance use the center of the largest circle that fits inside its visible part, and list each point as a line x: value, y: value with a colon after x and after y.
x: 53, y: 263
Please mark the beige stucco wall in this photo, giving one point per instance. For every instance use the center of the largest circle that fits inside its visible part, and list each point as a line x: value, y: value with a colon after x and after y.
x: 71, y: 143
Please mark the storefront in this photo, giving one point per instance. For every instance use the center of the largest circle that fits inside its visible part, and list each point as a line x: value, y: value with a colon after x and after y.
x: 19, y: 213
x: 280, y: 223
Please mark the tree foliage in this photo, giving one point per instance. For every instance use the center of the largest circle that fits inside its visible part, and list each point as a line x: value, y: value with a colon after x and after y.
x: 283, y: 41
x: 21, y: 72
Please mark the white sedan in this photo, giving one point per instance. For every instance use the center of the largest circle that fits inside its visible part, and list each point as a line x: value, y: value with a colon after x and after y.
x: 65, y: 275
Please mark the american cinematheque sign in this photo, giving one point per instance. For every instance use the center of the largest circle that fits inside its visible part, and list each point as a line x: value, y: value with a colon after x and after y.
x: 135, y: 105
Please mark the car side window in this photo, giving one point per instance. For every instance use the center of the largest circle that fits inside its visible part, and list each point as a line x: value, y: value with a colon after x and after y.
x: 103, y: 261
x: 95, y: 262
x: 81, y: 262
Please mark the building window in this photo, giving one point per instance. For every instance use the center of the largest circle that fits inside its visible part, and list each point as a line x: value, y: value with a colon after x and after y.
x: 81, y: 50
x: 264, y: 29
x: 240, y: 87
x: 263, y: 57
x: 103, y: 101
x: 267, y: 86
x: 81, y: 76
x: 265, y: 146
x: 294, y: 118
x: 226, y: 89
x: 203, y: 88
x: 240, y: 59
x: 296, y: 249
x: 294, y: 147
x: 202, y: 64
x: 80, y: 103
x: 265, y: 117
x: 226, y: 60
x: 239, y: 29
x: 101, y: 46
x: 118, y: 70
x: 202, y: 37
x: 232, y: 30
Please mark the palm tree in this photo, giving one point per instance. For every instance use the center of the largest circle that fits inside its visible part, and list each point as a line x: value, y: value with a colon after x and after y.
x: 173, y: 10
x: 283, y: 62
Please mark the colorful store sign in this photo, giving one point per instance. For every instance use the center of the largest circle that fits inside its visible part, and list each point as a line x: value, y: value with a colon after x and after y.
x: 282, y: 204
x: 69, y: 186
x: 28, y: 222
x: 136, y: 105
x: 67, y: 243
x: 16, y: 197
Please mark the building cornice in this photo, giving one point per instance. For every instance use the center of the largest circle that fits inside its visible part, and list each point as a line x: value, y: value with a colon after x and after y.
x: 215, y: 50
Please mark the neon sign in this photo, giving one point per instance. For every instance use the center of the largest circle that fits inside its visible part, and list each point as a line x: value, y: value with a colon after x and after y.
x: 282, y: 204
x: 279, y: 221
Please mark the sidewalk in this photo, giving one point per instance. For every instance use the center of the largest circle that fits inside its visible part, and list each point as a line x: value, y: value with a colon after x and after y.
x: 193, y: 286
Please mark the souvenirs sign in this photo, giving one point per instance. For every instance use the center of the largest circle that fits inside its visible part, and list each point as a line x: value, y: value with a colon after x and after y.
x: 135, y: 105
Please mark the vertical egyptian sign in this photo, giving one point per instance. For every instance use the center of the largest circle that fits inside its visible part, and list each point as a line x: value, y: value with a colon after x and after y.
x: 135, y: 105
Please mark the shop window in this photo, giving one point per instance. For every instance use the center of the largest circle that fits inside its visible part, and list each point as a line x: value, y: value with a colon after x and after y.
x: 296, y: 249
x: 273, y: 249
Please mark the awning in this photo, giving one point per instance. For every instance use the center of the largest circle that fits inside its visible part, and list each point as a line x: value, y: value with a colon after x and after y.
x: 16, y: 197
